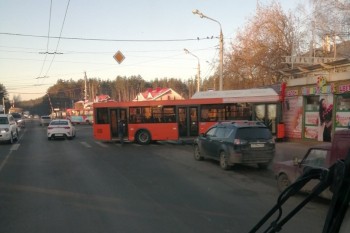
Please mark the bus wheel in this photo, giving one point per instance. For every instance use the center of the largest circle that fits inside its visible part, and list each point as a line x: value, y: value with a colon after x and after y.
x: 143, y: 137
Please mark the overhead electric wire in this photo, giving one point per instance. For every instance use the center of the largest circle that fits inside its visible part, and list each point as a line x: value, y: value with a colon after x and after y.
x: 109, y: 40
x: 71, y: 52
x: 48, y: 40
x: 58, y: 42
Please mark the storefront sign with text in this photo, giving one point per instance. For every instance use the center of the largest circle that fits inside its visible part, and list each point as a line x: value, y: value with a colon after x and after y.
x: 328, y: 89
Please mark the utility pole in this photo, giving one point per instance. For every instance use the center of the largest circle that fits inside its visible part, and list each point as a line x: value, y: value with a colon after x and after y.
x: 3, y: 100
x: 221, y: 59
x: 198, y: 69
x: 3, y: 104
x: 85, y: 88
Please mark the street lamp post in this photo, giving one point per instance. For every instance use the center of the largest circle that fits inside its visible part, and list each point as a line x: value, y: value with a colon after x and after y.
x: 197, y: 12
x: 3, y: 101
x: 198, y: 69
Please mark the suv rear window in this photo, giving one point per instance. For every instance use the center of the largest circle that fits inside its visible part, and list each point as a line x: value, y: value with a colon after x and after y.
x: 253, y: 133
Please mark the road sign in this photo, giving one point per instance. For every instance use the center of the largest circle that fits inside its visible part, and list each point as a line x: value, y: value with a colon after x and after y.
x: 119, y: 57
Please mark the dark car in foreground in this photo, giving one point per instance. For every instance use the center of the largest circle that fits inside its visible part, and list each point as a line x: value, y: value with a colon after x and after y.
x: 236, y: 142
x: 323, y: 155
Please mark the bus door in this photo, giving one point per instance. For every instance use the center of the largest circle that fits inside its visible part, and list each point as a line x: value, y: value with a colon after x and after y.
x: 114, y: 116
x: 267, y: 113
x: 187, y: 121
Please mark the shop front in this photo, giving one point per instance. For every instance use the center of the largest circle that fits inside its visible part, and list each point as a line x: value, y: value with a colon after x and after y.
x: 314, y: 111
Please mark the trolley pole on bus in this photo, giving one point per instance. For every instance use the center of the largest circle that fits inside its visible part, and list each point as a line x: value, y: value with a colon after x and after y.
x: 198, y: 69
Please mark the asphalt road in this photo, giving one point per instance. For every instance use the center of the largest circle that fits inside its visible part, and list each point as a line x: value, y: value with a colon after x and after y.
x: 82, y: 185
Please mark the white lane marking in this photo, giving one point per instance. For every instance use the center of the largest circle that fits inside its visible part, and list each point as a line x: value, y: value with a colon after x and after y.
x: 86, y: 144
x: 101, y: 144
x: 2, y: 165
x: 15, y: 146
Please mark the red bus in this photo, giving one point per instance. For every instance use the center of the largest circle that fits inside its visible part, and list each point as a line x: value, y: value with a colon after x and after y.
x: 160, y: 120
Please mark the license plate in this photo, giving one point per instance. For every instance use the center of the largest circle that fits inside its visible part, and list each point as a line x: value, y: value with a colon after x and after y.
x: 59, y: 134
x: 257, y: 145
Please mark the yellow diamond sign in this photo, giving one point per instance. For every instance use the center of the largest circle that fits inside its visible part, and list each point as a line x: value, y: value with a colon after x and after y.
x: 119, y: 57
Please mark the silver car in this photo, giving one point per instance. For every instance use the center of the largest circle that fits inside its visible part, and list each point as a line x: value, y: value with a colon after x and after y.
x: 8, y: 128
x: 45, y: 120
x: 19, y: 119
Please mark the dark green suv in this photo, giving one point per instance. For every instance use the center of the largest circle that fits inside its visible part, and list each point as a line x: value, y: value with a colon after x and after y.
x: 244, y: 142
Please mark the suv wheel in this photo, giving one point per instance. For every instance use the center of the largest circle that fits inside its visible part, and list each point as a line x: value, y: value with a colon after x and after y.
x: 282, y: 182
x: 197, y: 153
x: 11, y: 139
x: 223, y: 161
x: 17, y: 136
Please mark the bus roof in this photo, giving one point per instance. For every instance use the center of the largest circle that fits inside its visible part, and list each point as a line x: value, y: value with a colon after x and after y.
x: 257, y: 95
x: 158, y: 102
x: 237, y: 96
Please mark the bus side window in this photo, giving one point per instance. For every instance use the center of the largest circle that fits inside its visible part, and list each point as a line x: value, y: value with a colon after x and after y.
x: 101, y: 114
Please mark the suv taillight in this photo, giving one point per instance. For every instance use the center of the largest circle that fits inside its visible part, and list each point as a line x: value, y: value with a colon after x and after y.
x: 272, y: 141
x: 239, y: 142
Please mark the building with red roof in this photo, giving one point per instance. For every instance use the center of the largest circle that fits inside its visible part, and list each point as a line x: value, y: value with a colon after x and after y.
x: 158, y: 94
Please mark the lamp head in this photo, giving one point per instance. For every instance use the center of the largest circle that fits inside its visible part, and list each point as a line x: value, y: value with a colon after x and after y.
x: 195, y: 11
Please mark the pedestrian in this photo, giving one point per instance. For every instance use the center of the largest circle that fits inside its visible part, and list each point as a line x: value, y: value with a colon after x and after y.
x: 121, y: 130
x: 325, y: 121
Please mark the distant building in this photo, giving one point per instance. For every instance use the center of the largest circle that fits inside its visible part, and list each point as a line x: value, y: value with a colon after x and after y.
x: 102, y: 98
x: 158, y: 94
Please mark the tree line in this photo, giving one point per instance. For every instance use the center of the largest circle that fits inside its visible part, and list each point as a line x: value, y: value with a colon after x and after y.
x: 255, y: 58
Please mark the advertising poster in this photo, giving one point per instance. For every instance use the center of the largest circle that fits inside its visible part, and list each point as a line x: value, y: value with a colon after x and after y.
x: 325, y: 121
x: 311, y: 118
x: 311, y: 132
x: 342, y: 119
x: 293, y: 116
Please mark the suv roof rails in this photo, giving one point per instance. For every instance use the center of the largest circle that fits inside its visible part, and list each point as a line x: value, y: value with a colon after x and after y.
x: 244, y: 123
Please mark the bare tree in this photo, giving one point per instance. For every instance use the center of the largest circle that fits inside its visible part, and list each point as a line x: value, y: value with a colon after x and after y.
x: 259, y: 49
x: 330, y: 25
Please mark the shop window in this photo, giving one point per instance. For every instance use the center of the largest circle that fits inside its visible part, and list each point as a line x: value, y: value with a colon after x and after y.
x: 342, y: 115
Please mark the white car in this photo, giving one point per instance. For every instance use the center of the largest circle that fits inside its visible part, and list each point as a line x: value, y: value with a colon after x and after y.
x: 45, y: 120
x: 19, y: 119
x: 60, y: 128
x: 8, y: 128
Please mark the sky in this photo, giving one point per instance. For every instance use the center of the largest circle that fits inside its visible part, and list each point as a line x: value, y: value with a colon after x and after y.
x: 82, y: 36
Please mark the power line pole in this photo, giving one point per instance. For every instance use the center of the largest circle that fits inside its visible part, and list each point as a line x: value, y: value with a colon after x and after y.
x: 85, y: 89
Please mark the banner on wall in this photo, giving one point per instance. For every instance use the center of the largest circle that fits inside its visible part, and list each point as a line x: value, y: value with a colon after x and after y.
x: 342, y: 119
x: 318, y: 123
x: 293, y: 116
